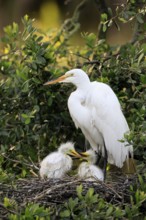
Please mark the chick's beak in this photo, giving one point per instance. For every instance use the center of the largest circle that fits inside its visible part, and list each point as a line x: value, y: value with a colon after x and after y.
x: 74, y: 154
x: 84, y: 154
x: 60, y: 79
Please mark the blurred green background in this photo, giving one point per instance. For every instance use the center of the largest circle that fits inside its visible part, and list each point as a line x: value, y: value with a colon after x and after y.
x: 51, y: 14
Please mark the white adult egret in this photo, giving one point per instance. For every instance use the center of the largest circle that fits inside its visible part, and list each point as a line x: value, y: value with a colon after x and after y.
x: 88, y: 170
x: 95, y: 109
x: 58, y: 163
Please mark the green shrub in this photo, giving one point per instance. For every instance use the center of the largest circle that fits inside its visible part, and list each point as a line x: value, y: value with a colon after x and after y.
x: 35, y: 118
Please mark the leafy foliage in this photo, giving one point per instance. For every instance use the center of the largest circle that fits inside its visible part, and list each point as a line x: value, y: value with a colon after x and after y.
x: 32, y: 211
x: 30, y: 112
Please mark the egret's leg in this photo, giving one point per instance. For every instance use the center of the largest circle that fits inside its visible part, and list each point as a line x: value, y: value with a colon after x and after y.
x: 105, y: 161
x: 98, y: 158
x: 86, y: 145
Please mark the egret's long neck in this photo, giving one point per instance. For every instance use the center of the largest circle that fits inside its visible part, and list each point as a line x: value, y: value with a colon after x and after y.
x: 83, y: 85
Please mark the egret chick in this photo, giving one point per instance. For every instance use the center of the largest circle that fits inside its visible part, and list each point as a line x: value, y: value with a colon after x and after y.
x: 58, y: 163
x: 88, y: 170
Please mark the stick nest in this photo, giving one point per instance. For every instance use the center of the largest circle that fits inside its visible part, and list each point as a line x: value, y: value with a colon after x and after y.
x: 54, y: 192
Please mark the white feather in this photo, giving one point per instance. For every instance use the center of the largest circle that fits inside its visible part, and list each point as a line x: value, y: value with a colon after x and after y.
x: 90, y: 172
x: 95, y: 109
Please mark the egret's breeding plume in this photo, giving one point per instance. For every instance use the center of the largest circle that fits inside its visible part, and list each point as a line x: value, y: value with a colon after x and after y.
x: 95, y: 109
x: 58, y: 163
x: 88, y: 170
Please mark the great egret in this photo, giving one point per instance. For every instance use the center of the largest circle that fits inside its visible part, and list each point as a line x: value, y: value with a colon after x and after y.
x: 58, y: 163
x: 88, y: 170
x: 95, y: 109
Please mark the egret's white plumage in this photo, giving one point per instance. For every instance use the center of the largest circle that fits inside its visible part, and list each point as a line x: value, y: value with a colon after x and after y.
x: 88, y: 170
x: 58, y: 163
x: 95, y: 109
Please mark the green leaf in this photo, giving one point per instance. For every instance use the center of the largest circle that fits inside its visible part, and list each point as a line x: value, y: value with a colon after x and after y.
x: 26, y: 18
x: 144, y: 47
x: 139, y: 18
x: 7, y: 202
x: 50, y: 100
x: 90, y: 40
x: 34, y: 66
x: 79, y: 191
x: 36, y: 108
x: 118, y: 212
x: 40, y: 60
x: 36, y: 80
x: 110, y: 12
x: 65, y: 214
x: 110, y: 23
x: 27, y: 121
x: 103, y: 17
x: 24, y: 115
x: 122, y: 19
x: 15, y: 27
x: 109, y: 211
x: 72, y: 203
x: 143, y: 79
x: 140, y: 58
x: 104, y: 27
x: 24, y: 173
x: 40, y: 38
x: 90, y: 193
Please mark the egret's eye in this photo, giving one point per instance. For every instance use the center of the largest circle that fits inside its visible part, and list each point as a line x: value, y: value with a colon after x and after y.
x: 71, y: 74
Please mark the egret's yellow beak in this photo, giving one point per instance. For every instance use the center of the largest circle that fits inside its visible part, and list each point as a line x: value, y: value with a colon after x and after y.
x: 74, y: 154
x: 60, y: 79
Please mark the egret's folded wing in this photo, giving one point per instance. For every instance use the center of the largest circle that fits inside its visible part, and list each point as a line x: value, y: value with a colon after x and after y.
x: 108, y: 118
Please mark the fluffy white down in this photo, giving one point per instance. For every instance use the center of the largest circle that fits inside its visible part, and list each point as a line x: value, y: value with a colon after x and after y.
x: 90, y: 172
x: 57, y: 164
